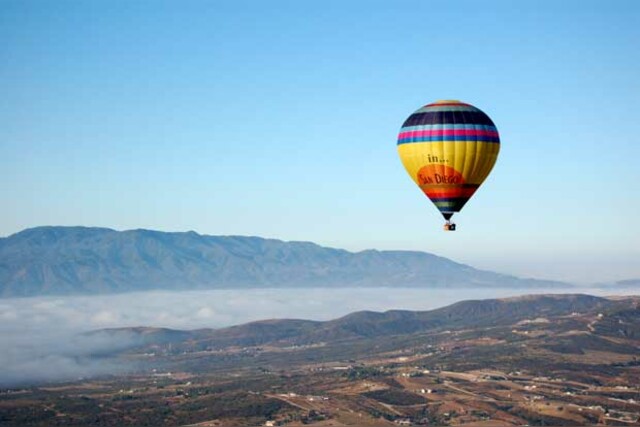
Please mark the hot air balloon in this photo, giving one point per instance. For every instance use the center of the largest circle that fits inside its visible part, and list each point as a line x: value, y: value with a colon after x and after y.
x: 448, y: 148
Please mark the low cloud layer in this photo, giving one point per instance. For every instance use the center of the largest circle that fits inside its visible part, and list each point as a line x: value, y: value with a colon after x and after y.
x: 42, y: 341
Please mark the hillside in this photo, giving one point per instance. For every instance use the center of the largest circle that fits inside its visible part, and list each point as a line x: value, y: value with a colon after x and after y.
x: 81, y: 260
x: 373, y: 325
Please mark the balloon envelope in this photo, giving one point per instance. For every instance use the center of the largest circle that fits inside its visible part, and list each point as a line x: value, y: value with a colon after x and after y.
x: 448, y: 148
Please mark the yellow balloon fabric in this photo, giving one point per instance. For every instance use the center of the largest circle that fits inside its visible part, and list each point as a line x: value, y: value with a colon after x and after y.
x: 448, y: 148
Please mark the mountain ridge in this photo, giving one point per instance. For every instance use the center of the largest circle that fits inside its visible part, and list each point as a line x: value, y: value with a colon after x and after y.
x: 54, y: 260
x: 374, y: 325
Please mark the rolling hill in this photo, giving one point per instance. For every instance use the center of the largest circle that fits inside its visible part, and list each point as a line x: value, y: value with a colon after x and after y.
x: 375, y: 325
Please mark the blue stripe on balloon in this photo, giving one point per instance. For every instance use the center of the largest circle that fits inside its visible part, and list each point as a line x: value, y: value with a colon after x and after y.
x: 453, y: 138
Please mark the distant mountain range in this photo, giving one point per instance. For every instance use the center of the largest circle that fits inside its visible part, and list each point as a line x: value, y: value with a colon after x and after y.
x: 629, y: 283
x: 82, y: 260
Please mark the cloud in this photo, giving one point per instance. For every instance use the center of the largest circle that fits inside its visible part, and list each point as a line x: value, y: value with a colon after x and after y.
x: 205, y: 313
x: 59, y: 356
x: 105, y: 318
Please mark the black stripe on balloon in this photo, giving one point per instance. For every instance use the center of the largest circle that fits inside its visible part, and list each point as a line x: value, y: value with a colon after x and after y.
x: 448, y: 117
x: 456, y: 204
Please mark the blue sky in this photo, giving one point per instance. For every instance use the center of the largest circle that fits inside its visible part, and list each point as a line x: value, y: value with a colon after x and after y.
x: 279, y: 119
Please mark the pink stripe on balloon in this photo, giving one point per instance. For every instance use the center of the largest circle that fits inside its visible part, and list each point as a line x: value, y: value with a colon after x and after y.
x: 450, y: 132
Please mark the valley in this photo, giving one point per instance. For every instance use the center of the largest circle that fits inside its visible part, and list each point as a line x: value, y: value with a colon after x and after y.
x: 537, y: 360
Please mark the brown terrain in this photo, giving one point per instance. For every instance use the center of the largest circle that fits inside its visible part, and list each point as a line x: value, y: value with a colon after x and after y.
x: 537, y: 360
